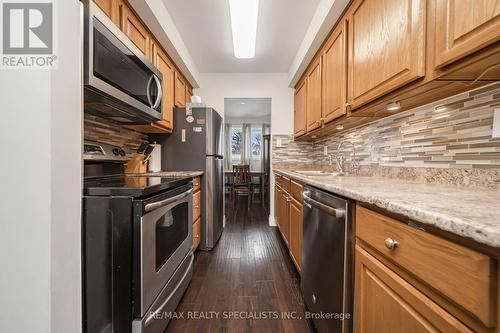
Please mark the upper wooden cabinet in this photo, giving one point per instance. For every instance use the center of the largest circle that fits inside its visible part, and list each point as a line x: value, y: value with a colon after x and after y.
x: 106, y: 6
x: 386, y: 47
x: 162, y: 62
x: 463, y: 27
x: 334, y: 75
x: 180, y: 91
x: 189, y: 92
x: 313, y: 100
x: 136, y: 31
x: 300, y: 107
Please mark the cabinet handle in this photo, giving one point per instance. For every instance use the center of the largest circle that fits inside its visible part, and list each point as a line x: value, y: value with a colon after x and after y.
x: 348, y: 106
x: 390, y: 243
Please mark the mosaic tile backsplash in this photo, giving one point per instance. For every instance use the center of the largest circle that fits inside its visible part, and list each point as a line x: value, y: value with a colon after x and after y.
x: 105, y: 131
x: 453, y: 133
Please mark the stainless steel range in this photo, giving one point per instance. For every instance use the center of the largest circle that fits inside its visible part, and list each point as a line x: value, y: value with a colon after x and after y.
x: 137, y: 235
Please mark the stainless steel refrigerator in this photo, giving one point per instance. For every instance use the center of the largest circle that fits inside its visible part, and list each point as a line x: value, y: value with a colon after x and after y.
x: 196, y: 144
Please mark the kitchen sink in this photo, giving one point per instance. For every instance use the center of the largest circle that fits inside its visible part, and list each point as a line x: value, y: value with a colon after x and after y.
x: 314, y: 173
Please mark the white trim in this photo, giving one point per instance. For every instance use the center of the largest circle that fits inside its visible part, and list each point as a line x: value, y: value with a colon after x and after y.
x: 272, y: 221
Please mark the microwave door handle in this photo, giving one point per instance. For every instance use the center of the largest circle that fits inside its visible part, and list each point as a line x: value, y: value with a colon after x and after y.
x: 160, y: 92
x: 155, y: 205
x: 148, y: 90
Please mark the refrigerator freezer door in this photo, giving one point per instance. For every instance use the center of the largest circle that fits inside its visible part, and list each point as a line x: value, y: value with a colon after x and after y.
x: 215, y: 135
x: 213, y: 202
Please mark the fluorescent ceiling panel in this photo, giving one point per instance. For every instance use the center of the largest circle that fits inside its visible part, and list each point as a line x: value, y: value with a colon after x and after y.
x: 244, y: 15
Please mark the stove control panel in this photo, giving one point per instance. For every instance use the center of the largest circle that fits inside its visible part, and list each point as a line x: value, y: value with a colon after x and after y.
x: 96, y: 151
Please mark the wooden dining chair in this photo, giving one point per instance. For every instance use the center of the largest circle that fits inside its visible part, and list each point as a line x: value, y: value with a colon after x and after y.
x: 242, y: 182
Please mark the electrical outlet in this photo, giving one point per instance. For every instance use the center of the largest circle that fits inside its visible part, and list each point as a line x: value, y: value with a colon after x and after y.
x: 278, y: 142
x: 325, y: 150
x: 496, y: 124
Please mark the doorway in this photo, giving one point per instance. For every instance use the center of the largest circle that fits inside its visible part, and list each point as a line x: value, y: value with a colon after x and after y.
x: 247, y: 124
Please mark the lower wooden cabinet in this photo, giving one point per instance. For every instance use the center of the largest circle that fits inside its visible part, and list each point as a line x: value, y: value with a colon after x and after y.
x: 196, y: 213
x: 284, y: 221
x: 410, y: 280
x: 384, y: 302
x: 295, y: 243
x: 288, y: 215
x: 196, y: 234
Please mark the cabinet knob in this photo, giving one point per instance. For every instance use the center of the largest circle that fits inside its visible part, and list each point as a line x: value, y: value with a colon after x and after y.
x: 390, y: 243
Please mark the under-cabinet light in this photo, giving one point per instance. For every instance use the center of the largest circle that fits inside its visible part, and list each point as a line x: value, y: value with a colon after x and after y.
x: 244, y: 14
x: 393, y: 106
x: 339, y: 127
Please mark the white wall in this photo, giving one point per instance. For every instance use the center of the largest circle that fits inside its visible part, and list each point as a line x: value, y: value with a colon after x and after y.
x: 215, y: 87
x: 243, y: 120
x: 40, y: 135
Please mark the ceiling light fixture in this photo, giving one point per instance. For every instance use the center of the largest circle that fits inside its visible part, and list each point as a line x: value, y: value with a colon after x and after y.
x: 244, y: 14
x: 393, y: 106
x: 339, y: 127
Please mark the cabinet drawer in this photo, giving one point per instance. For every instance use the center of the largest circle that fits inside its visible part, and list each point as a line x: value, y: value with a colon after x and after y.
x: 284, y: 182
x: 384, y: 302
x: 464, y: 276
x: 196, y: 234
x: 196, y: 184
x: 296, y: 190
x: 196, y: 205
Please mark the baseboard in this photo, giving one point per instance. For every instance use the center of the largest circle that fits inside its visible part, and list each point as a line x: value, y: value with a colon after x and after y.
x: 272, y: 221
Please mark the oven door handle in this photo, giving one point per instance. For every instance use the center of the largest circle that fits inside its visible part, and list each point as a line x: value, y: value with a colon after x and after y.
x: 338, y: 213
x: 155, y: 205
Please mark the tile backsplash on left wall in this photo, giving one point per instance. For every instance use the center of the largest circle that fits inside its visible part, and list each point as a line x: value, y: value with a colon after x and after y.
x: 105, y: 131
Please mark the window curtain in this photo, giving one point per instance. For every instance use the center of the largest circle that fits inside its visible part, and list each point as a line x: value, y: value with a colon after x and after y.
x: 228, y: 164
x: 246, y: 144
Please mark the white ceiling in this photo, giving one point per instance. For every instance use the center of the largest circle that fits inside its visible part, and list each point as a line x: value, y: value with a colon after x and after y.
x: 247, y: 107
x: 205, y: 28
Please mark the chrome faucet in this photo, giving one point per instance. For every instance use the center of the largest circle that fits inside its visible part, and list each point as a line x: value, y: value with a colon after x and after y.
x: 340, y: 158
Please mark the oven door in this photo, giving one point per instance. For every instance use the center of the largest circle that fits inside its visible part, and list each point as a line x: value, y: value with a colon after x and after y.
x: 163, y: 238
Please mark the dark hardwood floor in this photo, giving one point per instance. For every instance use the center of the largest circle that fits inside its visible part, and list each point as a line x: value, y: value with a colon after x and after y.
x: 249, y: 274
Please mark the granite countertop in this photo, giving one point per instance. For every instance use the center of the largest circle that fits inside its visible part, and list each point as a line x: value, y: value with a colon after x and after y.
x: 467, y: 213
x: 175, y: 173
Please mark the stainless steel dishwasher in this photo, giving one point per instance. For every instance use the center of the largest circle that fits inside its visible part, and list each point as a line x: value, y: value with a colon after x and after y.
x: 327, y: 260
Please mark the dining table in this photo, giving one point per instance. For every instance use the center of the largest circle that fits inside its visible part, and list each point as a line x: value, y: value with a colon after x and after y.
x: 252, y: 173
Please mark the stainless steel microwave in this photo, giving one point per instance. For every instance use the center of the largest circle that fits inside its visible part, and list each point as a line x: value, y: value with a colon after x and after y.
x: 120, y: 83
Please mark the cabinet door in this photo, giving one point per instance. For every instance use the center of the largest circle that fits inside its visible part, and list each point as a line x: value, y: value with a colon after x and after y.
x: 384, y: 302
x: 295, y: 215
x: 277, y: 205
x: 284, y: 218
x: 299, y: 120
x: 135, y: 31
x: 162, y: 62
x: 386, y: 47
x: 334, y: 75
x: 106, y: 6
x: 189, y: 93
x: 313, y: 99
x: 463, y: 27
x: 180, y: 91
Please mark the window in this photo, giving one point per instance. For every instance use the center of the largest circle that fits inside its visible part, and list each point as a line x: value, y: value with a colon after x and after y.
x: 256, y: 147
x: 235, y: 142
